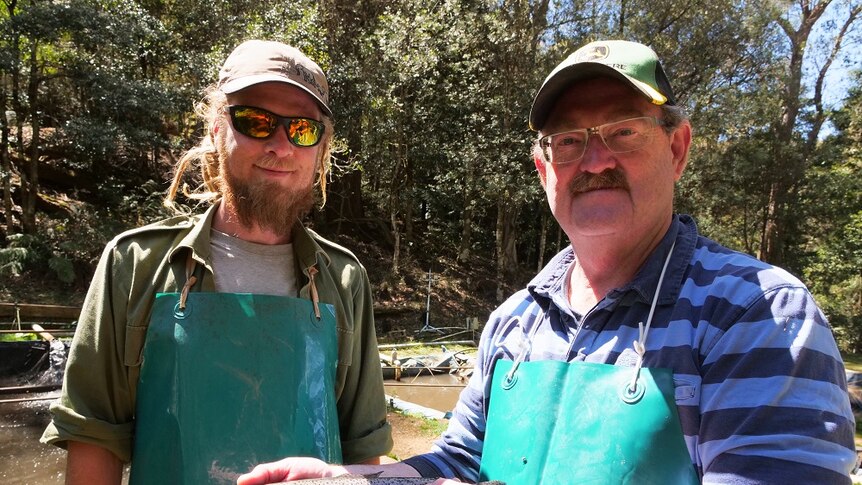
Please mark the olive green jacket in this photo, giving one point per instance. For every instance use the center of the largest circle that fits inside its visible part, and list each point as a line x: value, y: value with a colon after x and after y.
x: 97, y: 404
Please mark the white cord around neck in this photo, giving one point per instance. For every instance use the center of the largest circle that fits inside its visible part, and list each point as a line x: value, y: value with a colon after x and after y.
x: 640, y: 344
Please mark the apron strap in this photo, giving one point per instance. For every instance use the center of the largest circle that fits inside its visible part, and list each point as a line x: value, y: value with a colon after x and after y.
x: 510, y: 376
x: 528, y: 344
x: 191, y: 279
x: 640, y: 344
x: 314, y: 298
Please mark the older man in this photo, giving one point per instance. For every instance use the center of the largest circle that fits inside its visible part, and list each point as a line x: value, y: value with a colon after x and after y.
x: 643, y: 353
x: 209, y: 343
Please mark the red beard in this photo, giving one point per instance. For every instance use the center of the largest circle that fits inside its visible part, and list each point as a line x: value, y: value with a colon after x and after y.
x: 266, y: 205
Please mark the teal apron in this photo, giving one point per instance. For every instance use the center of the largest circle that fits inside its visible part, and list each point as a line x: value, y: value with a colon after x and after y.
x: 231, y: 381
x: 553, y: 422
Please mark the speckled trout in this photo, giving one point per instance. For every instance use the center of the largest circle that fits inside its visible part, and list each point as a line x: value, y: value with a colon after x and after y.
x: 373, y: 480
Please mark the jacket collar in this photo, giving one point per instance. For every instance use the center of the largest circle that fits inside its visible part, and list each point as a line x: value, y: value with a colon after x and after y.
x: 306, y: 248
x: 197, y: 239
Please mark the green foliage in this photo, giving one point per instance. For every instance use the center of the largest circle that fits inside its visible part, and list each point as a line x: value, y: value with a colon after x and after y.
x: 68, y: 248
x: 834, y: 270
x: 434, y: 427
x: 25, y: 251
x: 833, y: 242
x: 18, y: 337
x: 16, y: 254
x: 431, y: 103
x: 62, y: 267
x: 852, y: 361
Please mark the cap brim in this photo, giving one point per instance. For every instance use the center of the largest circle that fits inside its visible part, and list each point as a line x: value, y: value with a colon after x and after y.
x: 231, y: 87
x: 547, y: 96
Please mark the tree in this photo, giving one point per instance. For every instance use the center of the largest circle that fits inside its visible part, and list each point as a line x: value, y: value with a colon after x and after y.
x: 792, y: 150
x: 345, y: 29
x: 516, y: 30
x: 833, y: 242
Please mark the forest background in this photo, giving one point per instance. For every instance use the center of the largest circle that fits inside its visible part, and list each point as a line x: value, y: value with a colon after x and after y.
x: 430, y: 100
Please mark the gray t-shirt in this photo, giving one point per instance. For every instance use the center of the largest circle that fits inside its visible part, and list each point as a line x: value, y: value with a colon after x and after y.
x: 244, y: 267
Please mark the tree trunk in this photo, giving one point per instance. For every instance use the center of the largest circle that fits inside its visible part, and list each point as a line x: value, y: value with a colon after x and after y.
x: 559, y: 239
x: 344, y: 199
x: 28, y: 207
x: 8, y: 219
x: 466, y: 243
x: 771, y: 247
x: 345, y: 204
x: 747, y: 237
x: 409, y: 207
x: 396, y: 238
x: 501, y: 264
x: 466, y: 235
x: 395, y: 229
x: 789, y: 159
x: 15, y: 44
x: 819, y: 113
x: 506, y: 238
x: 622, y: 26
x: 395, y: 200
x: 543, y: 239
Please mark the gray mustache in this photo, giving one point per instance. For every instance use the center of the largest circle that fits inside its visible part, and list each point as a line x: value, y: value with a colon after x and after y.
x: 609, y: 179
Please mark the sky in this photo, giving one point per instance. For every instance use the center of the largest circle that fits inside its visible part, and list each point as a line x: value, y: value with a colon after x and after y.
x: 841, y: 73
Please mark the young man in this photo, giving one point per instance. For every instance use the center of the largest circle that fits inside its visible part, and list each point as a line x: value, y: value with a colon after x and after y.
x: 643, y: 353
x: 209, y: 342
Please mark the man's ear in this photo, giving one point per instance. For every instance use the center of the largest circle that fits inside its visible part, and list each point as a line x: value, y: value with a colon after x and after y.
x: 679, y: 146
x: 214, y: 130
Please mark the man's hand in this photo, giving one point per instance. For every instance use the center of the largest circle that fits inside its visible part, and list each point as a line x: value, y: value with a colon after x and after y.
x: 290, y: 469
x: 301, y: 468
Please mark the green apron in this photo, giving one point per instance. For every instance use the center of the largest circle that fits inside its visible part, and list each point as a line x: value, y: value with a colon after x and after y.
x: 558, y: 423
x: 231, y: 381
x: 553, y: 422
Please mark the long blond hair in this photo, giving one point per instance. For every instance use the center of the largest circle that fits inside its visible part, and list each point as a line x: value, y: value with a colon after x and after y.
x: 205, y: 154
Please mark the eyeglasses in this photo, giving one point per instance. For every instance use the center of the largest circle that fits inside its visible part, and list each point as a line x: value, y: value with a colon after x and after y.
x: 261, y: 124
x: 619, y: 136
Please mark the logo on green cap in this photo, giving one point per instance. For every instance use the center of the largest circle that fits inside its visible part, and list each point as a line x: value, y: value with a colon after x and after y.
x: 593, y: 53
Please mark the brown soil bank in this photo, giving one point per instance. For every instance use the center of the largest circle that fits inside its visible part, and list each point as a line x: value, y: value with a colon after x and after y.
x: 413, y: 435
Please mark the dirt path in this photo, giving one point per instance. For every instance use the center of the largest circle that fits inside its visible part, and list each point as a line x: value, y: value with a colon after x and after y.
x: 413, y: 435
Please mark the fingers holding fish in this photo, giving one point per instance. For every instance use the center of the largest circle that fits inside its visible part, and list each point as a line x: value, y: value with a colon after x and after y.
x: 375, y: 479
x: 311, y: 471
x: 289, y: 469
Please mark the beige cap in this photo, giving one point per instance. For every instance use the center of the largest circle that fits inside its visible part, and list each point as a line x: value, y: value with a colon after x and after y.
x: 259, y: 61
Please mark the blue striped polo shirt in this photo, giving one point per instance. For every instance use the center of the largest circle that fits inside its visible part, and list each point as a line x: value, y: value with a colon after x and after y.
x: 760, y: 385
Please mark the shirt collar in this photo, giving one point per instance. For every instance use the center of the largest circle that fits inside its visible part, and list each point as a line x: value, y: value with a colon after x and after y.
x: 683, y: 231
x: 549, y: 285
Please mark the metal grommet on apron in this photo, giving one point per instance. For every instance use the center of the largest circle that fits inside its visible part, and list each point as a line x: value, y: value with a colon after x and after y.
x: 231, y: 380
x: 554, y: 422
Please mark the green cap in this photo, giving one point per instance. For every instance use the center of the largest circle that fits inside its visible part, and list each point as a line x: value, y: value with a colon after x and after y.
x: 627, y: 61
